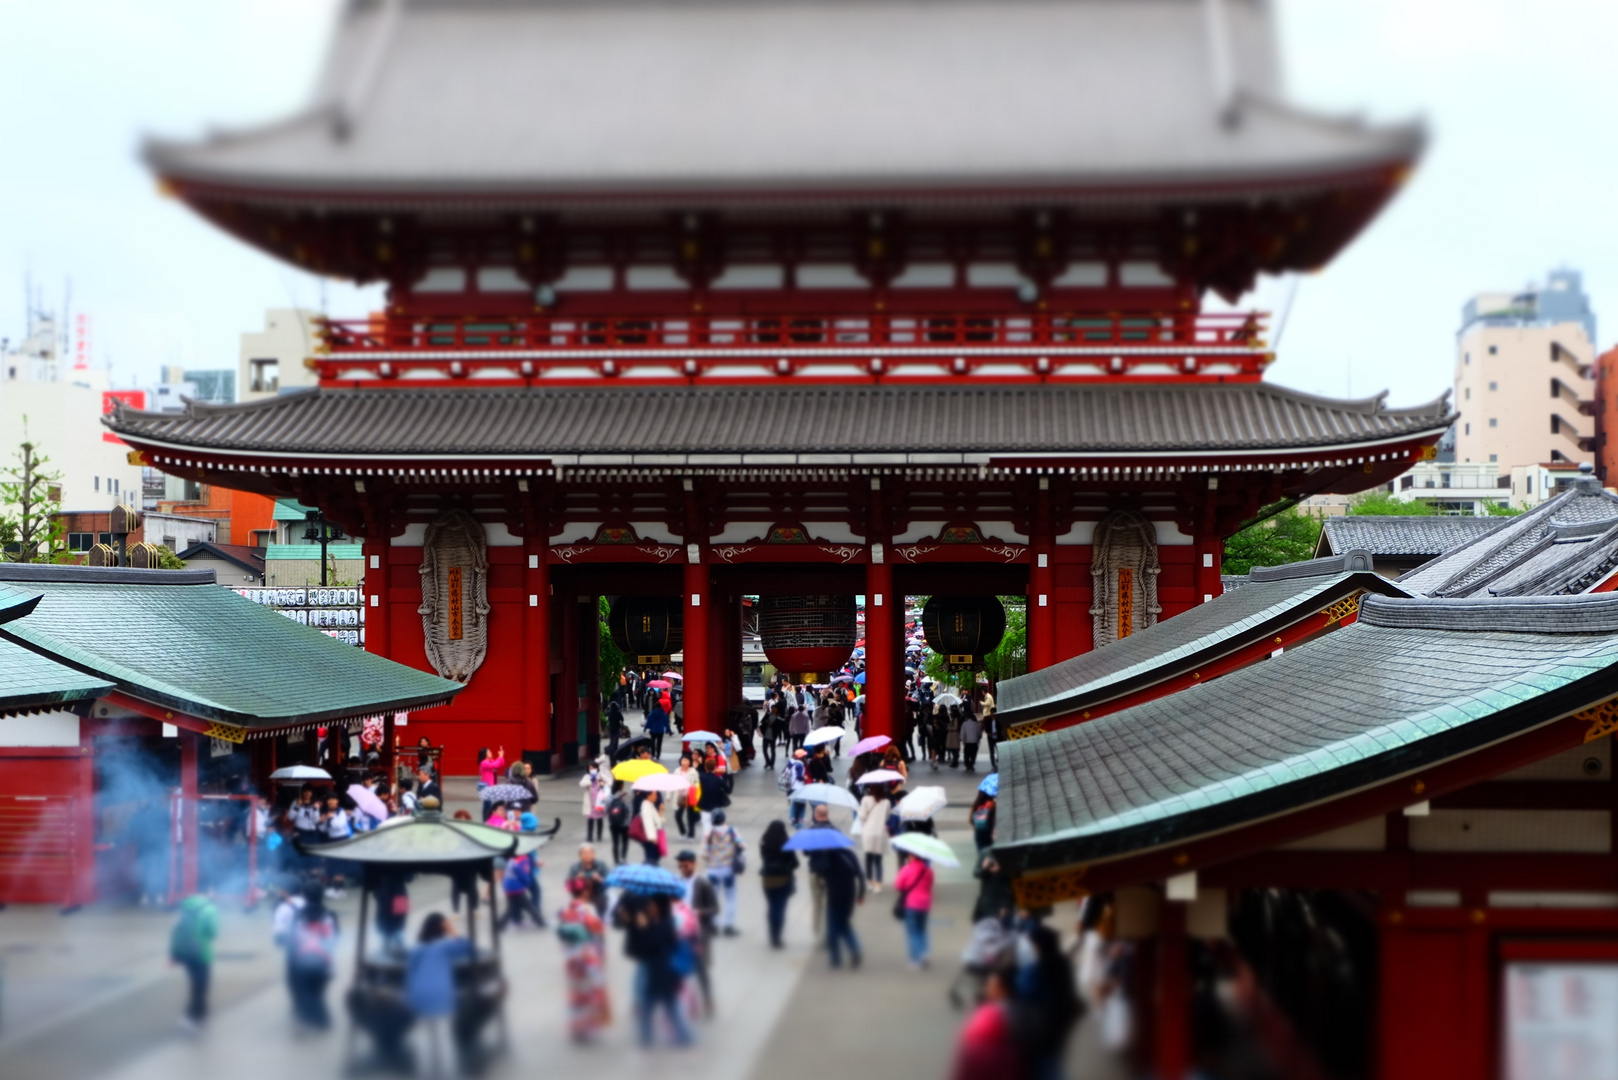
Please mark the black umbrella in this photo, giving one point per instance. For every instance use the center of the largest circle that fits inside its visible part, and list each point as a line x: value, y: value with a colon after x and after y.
x: 630, y: 747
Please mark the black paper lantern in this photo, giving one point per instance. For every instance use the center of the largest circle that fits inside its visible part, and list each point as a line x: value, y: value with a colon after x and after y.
x: 652, y: 628
x: 963, y: 629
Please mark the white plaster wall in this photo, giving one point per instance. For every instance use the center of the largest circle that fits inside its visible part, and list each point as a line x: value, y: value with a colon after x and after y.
x: 40, y: 729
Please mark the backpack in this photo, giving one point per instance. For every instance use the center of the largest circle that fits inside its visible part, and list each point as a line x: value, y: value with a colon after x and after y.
x: 185, y: 940
x: 311, y: 944
x: 895, y: 823
x: 617, y: 812
x: 784, y: 779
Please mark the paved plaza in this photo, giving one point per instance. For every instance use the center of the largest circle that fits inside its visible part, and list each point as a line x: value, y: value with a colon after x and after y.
x: 92, y: 994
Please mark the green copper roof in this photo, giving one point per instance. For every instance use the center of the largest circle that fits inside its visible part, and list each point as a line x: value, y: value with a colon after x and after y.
x: 30, y: 681
x: 177, y: 640
x: 275, y: 552
x: 291, y: 510
x: 1411, y: 683
x: 1275, y: 597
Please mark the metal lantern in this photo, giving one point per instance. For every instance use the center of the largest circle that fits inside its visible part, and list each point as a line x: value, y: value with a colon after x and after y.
x: 650, y: 627
x: 807, y: 635
x: 963, y: 629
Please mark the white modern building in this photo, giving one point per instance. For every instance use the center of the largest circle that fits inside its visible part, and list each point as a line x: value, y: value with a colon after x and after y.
x: 272, y: 359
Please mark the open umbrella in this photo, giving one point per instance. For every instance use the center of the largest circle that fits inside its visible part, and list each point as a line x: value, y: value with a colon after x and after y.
x: 630, y: 771
x: 300, y: 772
x: 824, y: 735
x: 815, y: 840
x: 643, y: 880
x: 673, y: 675
x: 930, y: 848
x: 947, y: 698
x: 701, y: 737
x: 664, y: 781
x: 842, y: 679
x: 922, y: 804
x: 511, y: 794
x: 830, y: 794
x: 865, y: 746
x: 881, y: 776
x: 660, y: 684
x: 991, y: 785
x: 364, y: 798
x: 860, y: 678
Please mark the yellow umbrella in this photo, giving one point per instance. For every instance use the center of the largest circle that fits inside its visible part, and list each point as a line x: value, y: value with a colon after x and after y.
x: 630, y: 771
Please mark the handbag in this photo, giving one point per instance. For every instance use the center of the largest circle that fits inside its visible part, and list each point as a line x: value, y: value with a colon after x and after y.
x: 899, y: 904
x: 663, y: 842
x: 637, y: 829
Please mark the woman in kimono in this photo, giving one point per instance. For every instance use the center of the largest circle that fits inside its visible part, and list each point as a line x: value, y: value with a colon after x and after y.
x: 584, y: 960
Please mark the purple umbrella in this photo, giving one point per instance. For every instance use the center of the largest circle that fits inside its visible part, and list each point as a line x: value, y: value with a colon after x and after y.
x: 865, y: 746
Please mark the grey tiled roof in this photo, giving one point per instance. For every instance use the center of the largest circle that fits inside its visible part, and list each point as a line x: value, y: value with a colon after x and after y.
x: 1412, y: 536
x: 1566, y: 544
x: 179, y: 641
x: 1144, y: 418
x: 1273, y: 598
x: 1348, y: 709
x: 509, y: 97
x: 30, y: 681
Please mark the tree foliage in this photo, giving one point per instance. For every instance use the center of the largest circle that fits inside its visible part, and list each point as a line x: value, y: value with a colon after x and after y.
x: 167, y: 560
x: 1381, y: 504
x: 1289, y: 536
x: 30, y: 527
x: 613, y: 661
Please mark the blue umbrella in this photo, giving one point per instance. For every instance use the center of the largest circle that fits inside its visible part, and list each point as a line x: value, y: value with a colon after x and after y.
x: 860, y: 678
x: 991, y: 785
x: 813, y: 840
x: 643, y: 880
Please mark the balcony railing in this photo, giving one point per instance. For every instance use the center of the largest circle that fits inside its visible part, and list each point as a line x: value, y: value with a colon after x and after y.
x: 556, y: 350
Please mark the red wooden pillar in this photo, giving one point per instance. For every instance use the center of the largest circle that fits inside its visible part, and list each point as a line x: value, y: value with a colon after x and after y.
x: 882, y: 682
x: 536, y: 648
x: 1041, y: 584
x: 378, y: 636
x: 698, y: 647
x: 189, y: 839
x: 1172, y: 1032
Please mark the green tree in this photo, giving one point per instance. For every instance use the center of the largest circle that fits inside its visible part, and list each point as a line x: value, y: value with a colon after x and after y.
x: 613, y: 660
x: 166, y: 559
x: 1499, y: 509
x: 30, y: 528
x: 1380, y: 503
x: 1289, y: 536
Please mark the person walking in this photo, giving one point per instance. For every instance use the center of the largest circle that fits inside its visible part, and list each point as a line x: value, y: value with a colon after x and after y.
x: 311, y: 949
x: 191, y: 947
x: 845, y: 889
x: 873, y: 824
x: 971, y: 734
x: 596, y: 784
x: 723, y: 858
x: 793, y: 777
x: 653, y: 842
x: 615, y: 727
x: 657, y: 726
x: 778, y: 871
x: 584, y: 960
x: 703, y: 900
x: 618, y: 818
x: 952, y: 735
x: 817, y: 877
x: 685, y: 810
x: 518, y: 876
x: 430, y: 990
x: 797, y: 728
x: 915, y: 886
x: 590, y: 870
x: 715, y: 795
x: 651, y: 940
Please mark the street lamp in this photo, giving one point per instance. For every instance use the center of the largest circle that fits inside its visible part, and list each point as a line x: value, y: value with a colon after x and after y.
x: 322, y: 532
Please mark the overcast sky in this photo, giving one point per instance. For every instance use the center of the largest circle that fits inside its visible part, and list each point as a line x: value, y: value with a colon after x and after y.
x: 1521, y: 176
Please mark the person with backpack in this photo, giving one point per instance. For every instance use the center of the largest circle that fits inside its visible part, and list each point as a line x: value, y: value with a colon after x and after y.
x: 191, y: 947
x: 793, y: 777
x: 311, y: 947
x: 657, y: 726
x: 723, y: 857
x: 618, y: 822
x: 778, y: 871
x: 518, y: 877
x: 983, y: 812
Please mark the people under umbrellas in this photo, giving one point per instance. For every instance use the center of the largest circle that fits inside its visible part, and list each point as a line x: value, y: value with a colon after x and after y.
x: 845, y: 889
x: 657, y: 726
x: 650, y: 819
x: 873, y: 826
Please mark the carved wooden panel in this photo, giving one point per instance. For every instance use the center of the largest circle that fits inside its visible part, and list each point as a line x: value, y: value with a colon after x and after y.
x: 455, y: 594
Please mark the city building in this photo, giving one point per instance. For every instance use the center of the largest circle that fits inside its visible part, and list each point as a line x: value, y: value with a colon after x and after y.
x: 242, y: 518
x: 1454, y: 487
x: 715, y: 355
x: 272, y: 360
x: 233, y: 566
x: 1607, y: 416
x: 1525, y: 376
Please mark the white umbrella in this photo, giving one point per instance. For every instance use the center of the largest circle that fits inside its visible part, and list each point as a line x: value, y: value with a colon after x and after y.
x: 300, y: 772
x: 922, y: 804
x: 947, y: 699
x: 880, y: 776
x: 673, y: 675
x: 662, y: 782
x: 824, y: 735
x: 830, y: 794
x: 701, y: 737
x: 930, y: 848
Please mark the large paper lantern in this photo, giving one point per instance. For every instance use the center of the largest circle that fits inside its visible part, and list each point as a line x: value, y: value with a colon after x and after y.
x: 807, y: 635
x: 650, y: 627
x: 963, y: 629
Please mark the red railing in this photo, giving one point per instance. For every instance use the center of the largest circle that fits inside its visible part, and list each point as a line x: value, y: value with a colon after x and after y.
x: 878, y: 346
